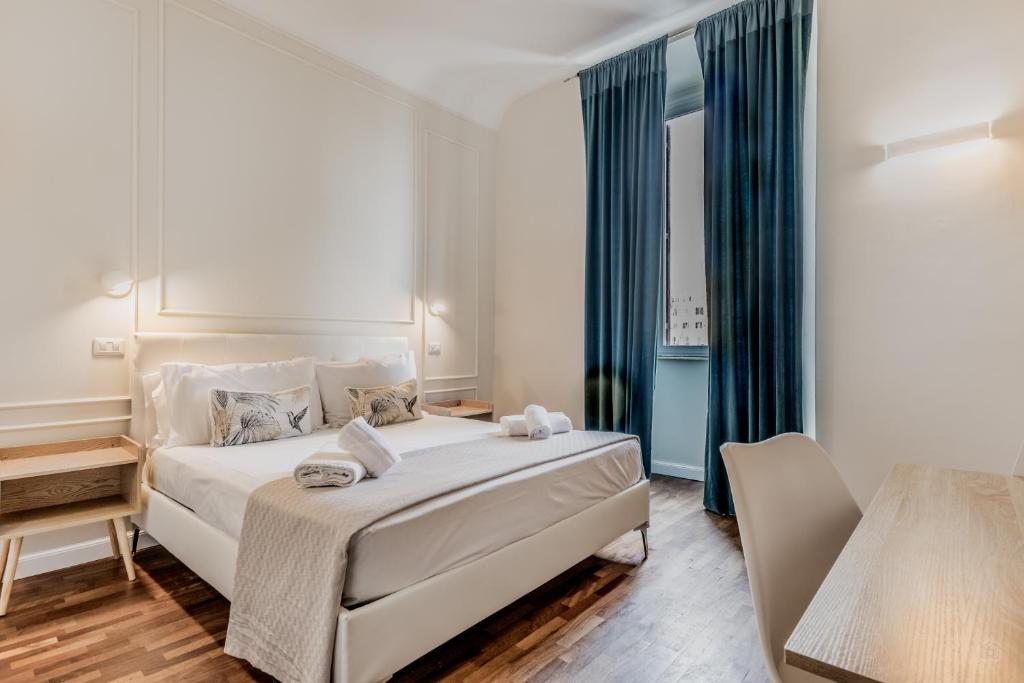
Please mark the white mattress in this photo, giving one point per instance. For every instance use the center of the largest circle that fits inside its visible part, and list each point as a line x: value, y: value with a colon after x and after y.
x: 419, y: 542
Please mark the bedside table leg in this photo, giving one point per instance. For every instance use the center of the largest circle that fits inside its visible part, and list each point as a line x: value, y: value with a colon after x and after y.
x: 122, y: 543
x: 4, y: 550
x: 112, y: 532
x: 11, y: 570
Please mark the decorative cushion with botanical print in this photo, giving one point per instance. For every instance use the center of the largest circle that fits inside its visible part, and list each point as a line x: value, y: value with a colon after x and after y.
x: 386, y: 405
x: 238, y: 417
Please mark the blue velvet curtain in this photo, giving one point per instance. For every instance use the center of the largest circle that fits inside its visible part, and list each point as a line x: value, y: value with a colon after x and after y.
x: 754, y: 57
x: 624, y: 128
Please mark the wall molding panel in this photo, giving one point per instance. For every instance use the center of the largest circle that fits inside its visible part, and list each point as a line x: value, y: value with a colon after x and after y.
x: 133, y: 229
x: 450, y: 390
x: 408, y: 128
x: 457, y: 291
x: 25, y: 405
x: 34, y: 426
x: 64, y: 413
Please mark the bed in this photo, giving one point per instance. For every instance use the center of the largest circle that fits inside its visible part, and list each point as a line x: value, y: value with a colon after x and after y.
x: 422, y: 575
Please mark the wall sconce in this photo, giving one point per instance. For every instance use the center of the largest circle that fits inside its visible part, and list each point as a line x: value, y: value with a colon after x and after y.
x: 438, y: 308
x: 116, y: 283
x: 954, y: 136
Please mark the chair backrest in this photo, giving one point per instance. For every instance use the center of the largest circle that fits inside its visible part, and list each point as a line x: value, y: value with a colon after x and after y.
x: 795, y: 515
x: 1018, y: 470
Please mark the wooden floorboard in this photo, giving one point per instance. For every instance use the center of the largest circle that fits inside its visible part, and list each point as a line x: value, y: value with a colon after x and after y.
x: 684, y: 615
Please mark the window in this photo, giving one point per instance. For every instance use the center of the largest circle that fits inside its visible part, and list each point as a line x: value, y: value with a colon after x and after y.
x: 684, y: 310
x: 685, y: 320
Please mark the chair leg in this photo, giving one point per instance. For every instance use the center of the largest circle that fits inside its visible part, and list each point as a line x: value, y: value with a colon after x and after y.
x: 135, y: 541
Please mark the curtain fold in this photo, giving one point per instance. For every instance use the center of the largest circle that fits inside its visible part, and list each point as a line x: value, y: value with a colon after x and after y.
x: 754, y: 58
x: 624, y: 127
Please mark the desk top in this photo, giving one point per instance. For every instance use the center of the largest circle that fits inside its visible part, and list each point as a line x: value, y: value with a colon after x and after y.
x: 930, y: 586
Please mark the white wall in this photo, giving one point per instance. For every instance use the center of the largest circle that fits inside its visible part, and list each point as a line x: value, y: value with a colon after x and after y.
x: 253, y: 183
x: 67, y: 191
x: 541, y: 238
x: 920, y: 258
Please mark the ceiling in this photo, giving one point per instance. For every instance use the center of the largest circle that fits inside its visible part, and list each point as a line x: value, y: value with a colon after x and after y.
x: 476, y: 57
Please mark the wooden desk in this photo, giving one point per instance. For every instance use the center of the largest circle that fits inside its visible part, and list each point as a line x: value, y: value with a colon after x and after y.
x: 930, y: 586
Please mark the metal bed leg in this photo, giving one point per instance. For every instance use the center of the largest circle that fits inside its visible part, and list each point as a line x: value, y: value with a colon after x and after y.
x: 135, y: 541
x: 643, y: 534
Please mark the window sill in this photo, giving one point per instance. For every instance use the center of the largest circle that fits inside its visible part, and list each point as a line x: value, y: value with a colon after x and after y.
x: 683, y: 353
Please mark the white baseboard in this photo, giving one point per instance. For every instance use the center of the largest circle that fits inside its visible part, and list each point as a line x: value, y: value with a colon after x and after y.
x: 51, y: 559
x: 673, y: 469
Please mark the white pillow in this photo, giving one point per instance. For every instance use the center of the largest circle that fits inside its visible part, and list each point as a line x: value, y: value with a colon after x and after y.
x: 335, y: 378
x: 163, y: 415
x: 152, y: 392
x: 187, y: 386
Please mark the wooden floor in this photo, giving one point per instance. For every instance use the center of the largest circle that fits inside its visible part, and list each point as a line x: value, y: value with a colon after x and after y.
x: 684, y: 615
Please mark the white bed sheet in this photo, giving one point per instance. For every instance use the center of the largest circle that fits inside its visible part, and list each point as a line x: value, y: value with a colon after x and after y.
x: 424, y: 540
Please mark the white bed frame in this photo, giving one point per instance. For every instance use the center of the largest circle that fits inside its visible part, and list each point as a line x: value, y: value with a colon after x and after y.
x: 411, y: 621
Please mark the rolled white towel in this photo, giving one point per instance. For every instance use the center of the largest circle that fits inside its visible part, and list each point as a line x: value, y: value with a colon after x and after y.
x: 538, y: 424
x: 515, y: 425
x: 329, y: 466
x: 369, y: 446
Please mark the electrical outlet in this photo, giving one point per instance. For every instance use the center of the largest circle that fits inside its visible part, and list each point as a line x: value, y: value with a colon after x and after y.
x: 434, y: 348
x: 105, y: 347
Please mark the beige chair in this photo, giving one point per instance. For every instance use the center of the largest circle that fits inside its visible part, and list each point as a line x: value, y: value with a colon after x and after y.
x: 795, y: 515
x: 1018, y: 470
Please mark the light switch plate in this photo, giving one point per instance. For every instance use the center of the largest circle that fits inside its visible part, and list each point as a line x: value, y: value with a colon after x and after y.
x: 108, y: 347
x: 434, y: 348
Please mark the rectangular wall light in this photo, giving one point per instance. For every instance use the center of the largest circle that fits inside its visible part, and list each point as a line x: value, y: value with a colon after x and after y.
x: 954, y: 136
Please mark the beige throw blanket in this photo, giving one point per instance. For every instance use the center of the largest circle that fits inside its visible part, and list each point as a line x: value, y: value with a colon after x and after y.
x: 293, y: 548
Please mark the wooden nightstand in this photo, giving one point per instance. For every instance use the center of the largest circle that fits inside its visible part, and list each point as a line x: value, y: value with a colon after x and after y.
x: 474, y: 410
x: 53, y: 486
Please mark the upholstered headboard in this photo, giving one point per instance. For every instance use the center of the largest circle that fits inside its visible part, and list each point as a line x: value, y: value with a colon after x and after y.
x: 150, y: 349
